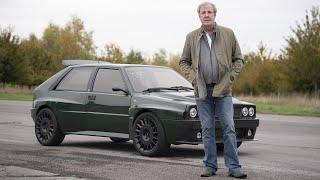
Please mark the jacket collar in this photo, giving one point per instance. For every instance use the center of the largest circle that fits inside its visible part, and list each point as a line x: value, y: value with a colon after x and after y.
x: 202, y: 31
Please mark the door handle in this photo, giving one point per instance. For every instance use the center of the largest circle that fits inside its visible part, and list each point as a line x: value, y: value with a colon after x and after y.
x: 91, y: 97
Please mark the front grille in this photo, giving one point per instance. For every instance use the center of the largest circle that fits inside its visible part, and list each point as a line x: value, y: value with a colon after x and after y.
x: 237, y: 112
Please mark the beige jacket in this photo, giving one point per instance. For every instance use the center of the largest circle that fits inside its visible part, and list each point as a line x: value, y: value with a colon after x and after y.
x: 228, y: 53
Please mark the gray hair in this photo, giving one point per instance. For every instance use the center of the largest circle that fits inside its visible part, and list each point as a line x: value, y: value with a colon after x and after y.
x: 207, y: 3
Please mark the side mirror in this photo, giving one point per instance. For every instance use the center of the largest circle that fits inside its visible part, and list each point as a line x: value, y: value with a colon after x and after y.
x: 120, y: 89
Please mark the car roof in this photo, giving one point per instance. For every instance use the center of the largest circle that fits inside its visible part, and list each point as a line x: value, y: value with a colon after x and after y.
x: 81, y: 61
x: 116, y: 65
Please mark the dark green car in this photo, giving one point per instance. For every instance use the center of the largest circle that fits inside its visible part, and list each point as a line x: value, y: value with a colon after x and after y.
x: 150, y: 105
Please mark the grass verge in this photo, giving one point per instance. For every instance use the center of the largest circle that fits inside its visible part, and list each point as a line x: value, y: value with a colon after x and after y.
x: 17, y: 97
x: 290, y: 109
x: 296, y: 104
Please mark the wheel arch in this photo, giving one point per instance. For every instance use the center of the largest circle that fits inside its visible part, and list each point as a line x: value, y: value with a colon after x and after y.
x: 44, y: 106
x: 138, y: 113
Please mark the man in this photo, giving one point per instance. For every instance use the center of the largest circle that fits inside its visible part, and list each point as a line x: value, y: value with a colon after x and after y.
x: 211, y: 60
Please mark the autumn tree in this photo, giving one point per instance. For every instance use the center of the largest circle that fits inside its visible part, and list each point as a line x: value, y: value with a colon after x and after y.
x: 303, y: 53
x: 159, y: 58
x: 69, y: 42
x: 262, y: 74
x: 113, y: 53
x: 174, y: 62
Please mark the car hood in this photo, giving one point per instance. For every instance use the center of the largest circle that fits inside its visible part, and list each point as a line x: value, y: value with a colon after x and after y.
x: 181, y: 96
x: 172, y: 100
x: 188, y: 97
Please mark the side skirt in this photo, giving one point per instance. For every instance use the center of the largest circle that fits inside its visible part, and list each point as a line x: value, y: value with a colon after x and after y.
x: 101, y: 134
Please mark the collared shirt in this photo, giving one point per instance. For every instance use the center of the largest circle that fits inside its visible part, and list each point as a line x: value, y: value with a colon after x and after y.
x: 208, y: 59
x: 209, y: 40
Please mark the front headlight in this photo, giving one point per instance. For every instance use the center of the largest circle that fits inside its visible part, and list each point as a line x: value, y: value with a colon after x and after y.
x: 245, y: 111
x: 190, y: 112
x: 251, y: 111
x: 193, y: 112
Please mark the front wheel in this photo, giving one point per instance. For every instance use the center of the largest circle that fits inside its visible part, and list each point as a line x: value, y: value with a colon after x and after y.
x: 47, y: 129
x: 148, y: 135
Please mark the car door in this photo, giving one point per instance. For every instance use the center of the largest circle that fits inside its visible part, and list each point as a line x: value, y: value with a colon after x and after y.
x: 107, y: 110
x: 71, y: 98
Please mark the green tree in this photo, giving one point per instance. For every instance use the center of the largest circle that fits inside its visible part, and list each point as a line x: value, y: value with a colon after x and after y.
x: 134, y: 57
x: 37, y: 60
x: 303, y: 53
x: 10, y: 63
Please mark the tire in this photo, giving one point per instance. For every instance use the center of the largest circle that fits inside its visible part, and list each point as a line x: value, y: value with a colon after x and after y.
x: 47, y: 129
x: 119, y: 140
x: 220, y: 145
x: 148, y: 135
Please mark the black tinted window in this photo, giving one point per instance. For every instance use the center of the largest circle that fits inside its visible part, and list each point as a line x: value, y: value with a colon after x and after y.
x: 107, y: 79
x: 76, y: 80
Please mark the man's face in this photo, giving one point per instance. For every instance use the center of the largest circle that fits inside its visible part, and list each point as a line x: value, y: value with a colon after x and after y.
x: 206, y: 15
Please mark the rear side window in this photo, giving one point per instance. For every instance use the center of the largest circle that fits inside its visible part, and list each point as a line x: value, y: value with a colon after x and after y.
x: 107, y: 79
x: 76, y: 80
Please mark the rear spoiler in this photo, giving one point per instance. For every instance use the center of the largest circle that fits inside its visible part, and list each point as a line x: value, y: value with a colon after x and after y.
x: 78, y: 62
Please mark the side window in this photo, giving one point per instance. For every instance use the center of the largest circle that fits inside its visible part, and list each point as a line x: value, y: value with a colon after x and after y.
x: 107, y: 79
x: 76, y: 80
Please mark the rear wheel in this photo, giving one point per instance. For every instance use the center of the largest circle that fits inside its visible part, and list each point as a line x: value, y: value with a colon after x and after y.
x: 119, y: 140
x: 47, y: 129
x: 148, y: 135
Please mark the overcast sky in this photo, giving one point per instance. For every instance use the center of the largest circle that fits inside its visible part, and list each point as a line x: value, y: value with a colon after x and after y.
x: 148, y: 25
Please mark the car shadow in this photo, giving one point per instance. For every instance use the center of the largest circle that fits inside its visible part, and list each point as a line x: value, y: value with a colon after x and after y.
x: 174, y: 152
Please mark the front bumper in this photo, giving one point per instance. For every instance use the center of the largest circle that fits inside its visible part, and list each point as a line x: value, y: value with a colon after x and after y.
x: 189, y: 131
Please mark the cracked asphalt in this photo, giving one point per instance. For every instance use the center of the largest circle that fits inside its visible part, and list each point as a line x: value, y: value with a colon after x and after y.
x: 288, y: 147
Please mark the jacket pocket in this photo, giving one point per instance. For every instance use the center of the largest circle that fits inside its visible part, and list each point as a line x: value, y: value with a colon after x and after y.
x: 227, y: 84
x: 230, y: 84
x: 195, y: 87
x: 192, y: 76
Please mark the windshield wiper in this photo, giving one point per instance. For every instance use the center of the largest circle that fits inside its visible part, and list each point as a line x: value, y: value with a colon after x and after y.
x: 182, y: 88
x: 157, y: 89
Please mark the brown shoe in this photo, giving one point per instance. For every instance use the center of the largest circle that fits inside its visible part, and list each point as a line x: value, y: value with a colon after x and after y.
x: 207, y: 172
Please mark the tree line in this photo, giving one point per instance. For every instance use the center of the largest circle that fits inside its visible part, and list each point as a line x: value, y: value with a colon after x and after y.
x: 296, y: 69
x: 30, y: 61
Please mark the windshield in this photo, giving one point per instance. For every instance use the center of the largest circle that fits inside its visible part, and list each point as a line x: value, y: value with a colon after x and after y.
x: 143, y: 78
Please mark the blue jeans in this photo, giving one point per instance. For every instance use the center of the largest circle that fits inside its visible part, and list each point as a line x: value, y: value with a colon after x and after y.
x: 223, y: 107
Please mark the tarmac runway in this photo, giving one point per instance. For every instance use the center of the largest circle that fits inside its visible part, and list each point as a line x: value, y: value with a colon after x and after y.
x: 288, y: 147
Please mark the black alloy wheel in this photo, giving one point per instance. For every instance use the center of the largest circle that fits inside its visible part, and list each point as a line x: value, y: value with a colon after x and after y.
x: 47, y: 129
x: 148, y: 135
x: 119, y: 140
